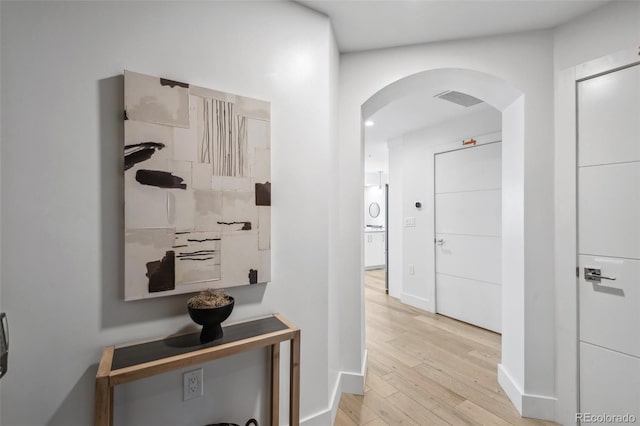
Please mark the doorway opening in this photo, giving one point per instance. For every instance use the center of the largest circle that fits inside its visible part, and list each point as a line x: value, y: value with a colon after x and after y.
x: 412, y: 219
x: 376, y: 220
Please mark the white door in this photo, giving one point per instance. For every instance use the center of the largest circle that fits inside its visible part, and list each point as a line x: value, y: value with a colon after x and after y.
x: 609, y: 244
x: 468, y: 234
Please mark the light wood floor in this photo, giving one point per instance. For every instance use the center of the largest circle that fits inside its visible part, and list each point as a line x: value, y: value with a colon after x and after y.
x: 426, y: 369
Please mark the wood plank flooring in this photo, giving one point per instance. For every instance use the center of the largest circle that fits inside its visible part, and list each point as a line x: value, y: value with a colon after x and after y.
x: 426, y: 369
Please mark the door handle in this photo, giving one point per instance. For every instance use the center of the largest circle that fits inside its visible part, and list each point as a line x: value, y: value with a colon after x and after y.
x: 595, y: 275
x: 439, y: 241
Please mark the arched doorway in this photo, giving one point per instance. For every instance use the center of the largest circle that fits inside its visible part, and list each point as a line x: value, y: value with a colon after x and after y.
x: 510, y: 101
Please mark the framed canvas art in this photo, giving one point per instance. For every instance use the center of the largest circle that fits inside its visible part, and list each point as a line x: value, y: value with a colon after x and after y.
x: 196, y: 186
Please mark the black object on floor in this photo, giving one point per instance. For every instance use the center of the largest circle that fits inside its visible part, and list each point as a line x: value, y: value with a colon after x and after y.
x: 4, y: 344
x: 253, y: 422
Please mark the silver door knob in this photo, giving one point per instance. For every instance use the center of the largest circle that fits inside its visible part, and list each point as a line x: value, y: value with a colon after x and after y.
x: 595, y: 275
x: 440, y: 241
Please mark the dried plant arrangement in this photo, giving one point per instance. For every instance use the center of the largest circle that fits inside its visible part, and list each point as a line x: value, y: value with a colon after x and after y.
x: 209, y: 298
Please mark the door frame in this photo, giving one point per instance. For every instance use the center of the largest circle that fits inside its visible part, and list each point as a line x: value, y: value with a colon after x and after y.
x: 483, y: 140
x: 386, y: 238
x: 566, y: 225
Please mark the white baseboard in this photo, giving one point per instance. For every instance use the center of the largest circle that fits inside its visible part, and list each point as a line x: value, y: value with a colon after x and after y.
x: 347, y: 383
x: 510, y: 388
x: 322, y: 418
x: 528, y: 405
x: 416, y: 302
x: 354, y: 382
x: 539, y: 407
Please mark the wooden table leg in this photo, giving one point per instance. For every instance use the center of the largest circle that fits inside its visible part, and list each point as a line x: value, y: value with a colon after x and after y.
x: 111, y: 389
x: 103, y: 415
x: 294, y: 377
x: 275, y: 384
x: 103, y: 410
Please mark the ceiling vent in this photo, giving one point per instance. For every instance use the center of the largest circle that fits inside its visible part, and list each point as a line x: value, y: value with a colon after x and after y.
x: 458, y: 98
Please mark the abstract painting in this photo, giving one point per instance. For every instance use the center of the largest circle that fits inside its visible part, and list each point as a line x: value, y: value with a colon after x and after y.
x: 197, y: 166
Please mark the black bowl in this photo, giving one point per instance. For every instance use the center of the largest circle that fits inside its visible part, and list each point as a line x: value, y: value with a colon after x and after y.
x: 210, y: 320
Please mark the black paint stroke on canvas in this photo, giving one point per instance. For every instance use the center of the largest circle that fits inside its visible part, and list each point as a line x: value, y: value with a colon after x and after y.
x: 196, y: 258
x: 173, y: 83
x: 160, y: 179
x: 224, y: 140
x: 203, y: 240
x: 263, y: 194
x: 253, y: 276
x: 196, y: 253
x: 137, y: 153
x: 246, y: 226
x: 162, y: 273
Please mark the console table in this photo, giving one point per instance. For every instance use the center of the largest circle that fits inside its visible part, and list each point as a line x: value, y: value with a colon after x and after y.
x: 123, y: 364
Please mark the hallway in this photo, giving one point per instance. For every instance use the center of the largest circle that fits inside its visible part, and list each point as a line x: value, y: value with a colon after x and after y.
x: 426, y: 369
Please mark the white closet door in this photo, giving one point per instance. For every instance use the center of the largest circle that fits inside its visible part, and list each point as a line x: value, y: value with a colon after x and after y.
x: 468, y: 205
x: 609, y: 243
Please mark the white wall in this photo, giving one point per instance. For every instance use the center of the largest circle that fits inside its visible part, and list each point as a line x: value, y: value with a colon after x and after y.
x: 62, y: 104
x: 335, y: 329
x: 375, y: 178
x: 525, y: 62
x: 395, y: 231
x: 419, y: 148
x: 0, y: 194
x: 612, y: 28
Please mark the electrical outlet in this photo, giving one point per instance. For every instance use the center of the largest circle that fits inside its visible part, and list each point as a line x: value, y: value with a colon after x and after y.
x: 193, y: 386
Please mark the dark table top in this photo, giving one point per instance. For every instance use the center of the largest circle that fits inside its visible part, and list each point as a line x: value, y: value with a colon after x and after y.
x: 129, y: 356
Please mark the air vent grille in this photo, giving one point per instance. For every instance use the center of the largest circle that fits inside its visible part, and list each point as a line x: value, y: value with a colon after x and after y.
x: 458, y: 98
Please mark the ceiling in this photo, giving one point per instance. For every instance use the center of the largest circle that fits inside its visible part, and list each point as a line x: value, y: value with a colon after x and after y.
x: 374, y: 24
x: 403, y: 116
